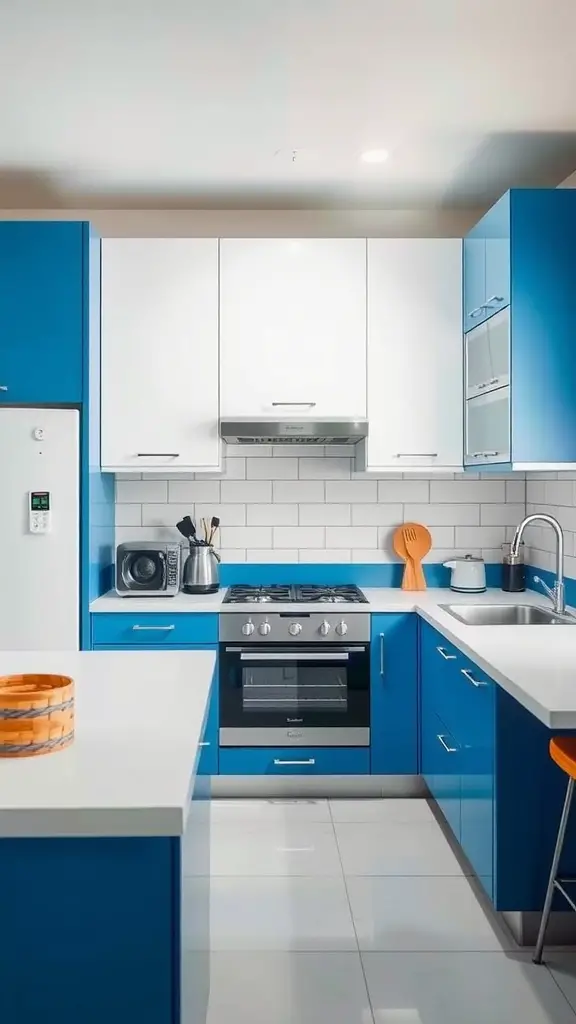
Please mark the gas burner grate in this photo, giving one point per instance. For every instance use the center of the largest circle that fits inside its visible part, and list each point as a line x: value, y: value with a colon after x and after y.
x: 345, y: 594
x: 246, y: 594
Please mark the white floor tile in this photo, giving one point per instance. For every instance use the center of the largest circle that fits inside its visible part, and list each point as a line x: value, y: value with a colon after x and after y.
x: 379, y: 848
x: 562, y: 965
x: 421, y: 914
x: 284, y: 848
x: 304, y: 914
x: 388, y: 810
x: 287, y: 988
x: 266, y: 812
x: 462, y: 988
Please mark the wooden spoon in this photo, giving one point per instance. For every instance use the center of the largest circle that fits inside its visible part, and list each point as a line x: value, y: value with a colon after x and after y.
x: 399, y: 545
x: 418, y: 542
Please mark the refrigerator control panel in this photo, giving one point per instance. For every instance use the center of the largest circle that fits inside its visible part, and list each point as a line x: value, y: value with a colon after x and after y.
x: 39, y: 511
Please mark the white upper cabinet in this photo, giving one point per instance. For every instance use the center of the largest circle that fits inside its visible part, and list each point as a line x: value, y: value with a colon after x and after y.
x: 414, y: 355
x: 160, y: 354
x: 293, y: 327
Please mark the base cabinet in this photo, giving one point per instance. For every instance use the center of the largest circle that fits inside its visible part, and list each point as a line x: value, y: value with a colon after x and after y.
x: 394, y: 695
x: 294, y: 761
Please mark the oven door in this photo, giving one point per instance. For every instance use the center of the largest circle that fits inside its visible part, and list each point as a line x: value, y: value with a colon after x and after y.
x: 273, y: 695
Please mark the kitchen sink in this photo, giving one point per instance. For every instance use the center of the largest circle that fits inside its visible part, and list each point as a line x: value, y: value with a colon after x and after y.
x: 507, y: 615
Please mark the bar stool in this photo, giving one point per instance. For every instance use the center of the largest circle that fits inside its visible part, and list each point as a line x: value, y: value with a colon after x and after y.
x: 563, y: 752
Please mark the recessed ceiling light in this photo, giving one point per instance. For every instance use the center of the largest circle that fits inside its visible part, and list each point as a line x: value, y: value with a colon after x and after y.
x: 374, y: 156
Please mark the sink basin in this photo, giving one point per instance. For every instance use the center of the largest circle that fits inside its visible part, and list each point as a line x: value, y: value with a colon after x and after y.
x: 507, y: 615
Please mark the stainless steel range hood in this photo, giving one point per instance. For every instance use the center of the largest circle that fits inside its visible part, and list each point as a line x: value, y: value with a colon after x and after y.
x: 263, y: 430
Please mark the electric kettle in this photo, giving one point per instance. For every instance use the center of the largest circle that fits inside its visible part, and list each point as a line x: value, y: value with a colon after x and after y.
x: 201, y: 570
x: 468, y: 574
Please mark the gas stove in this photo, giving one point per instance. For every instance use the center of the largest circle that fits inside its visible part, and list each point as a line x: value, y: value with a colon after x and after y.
x: 276, y: 593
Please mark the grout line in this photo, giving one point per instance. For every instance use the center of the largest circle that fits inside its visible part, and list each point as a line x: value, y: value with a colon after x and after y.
x: 368, y: 996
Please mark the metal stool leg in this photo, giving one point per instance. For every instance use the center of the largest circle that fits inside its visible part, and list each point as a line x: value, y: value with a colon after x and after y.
x: 553, y: 872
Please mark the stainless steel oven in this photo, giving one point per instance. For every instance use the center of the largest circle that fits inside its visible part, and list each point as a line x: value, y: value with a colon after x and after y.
x: 294, y: 679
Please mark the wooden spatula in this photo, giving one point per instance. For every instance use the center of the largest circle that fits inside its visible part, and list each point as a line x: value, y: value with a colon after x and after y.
x: 399, y: 546
x: 418, y: 542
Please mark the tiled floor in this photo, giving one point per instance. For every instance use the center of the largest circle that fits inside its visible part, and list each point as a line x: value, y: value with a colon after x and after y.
x: 358, y: 912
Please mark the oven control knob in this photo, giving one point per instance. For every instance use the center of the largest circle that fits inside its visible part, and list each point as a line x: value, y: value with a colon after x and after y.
x: 248, y: 628
x: 294, y: 628
x: 325, y: 628
x: 264, y: 628
x: 342, y: 628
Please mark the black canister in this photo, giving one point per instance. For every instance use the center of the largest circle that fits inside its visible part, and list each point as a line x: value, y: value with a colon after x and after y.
x: 513, y: 570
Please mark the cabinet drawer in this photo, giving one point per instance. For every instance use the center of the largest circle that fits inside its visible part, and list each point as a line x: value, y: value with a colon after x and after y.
x: 441, y: 679
x: 441, y: 767
x: 297, y: 761
x: 166, y: 630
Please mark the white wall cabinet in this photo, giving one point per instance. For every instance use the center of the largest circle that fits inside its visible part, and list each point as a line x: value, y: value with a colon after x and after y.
x: 415, y: 372
x: 293, y: 327
x: 160, y: 387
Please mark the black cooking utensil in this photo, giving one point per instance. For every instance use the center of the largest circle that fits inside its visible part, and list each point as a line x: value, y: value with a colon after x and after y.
x: 214, y: 524
x: 187, y: 529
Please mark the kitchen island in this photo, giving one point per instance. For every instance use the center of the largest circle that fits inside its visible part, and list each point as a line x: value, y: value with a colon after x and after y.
x: 91, y: 846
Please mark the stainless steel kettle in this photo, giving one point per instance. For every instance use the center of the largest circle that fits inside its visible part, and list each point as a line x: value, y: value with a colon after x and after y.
x: 201, y: 570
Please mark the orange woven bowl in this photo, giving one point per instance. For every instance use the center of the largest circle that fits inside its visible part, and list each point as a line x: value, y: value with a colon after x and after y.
x: 36, y: 714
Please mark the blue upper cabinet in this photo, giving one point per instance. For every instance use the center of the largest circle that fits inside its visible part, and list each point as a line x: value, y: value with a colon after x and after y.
x: 520, y: 356
x: 42, y: 311
x: 393, y: 695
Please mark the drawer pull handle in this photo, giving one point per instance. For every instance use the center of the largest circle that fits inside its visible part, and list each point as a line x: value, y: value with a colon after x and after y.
x: 416, y: 455
x: 311, y: 760
x: 493, y: 299
x: 468, y: 675
x: 3, y: 387
x: 476, y: 312
x: 157, y: 455
x: 153, y: 629
x: 205, y: 743
x: 483, y: 455
x: 449, y: 750
x: 447, y: 657
x: 381, y: 654
x: 310, y: 404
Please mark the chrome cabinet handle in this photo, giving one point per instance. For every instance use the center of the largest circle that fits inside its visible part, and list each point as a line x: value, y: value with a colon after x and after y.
x: 493, y: 299
x: 476, y: 312
x: 449, y: 750
x: 205, y: 743
x: 311, y: 404
x: 447, y: 657
x: 482, y: 455
x: 153, y: 629
x: 311, y: 760
x: 294, y: 656
x: 416, y: 455
x: 468, y: 675
x: 487, y: 384
x: 3, y: 387
x: 381, y: 654
x: 157, y: 455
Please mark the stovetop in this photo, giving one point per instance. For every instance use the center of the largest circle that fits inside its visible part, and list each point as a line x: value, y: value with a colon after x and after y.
x: 297, y: 593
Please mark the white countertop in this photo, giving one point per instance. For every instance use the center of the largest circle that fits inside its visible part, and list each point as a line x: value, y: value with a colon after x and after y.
x: 535, y: 664
x: 130, y: 770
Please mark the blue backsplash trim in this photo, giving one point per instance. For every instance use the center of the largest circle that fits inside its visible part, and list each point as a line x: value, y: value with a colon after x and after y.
x: 363, y: 575
x: 550, y: 579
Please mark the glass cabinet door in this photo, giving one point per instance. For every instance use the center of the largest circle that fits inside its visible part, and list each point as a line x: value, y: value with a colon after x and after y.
x: 487, y: 353
x: 487, y: 428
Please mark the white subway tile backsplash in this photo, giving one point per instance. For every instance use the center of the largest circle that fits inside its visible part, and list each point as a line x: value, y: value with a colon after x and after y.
x: 246, y: 491
x: 377, y: 515
x: 467, y: 490
x: 298, y: 490
x: 443, y: 515
x: 271, y: 469
x: 280, y: 505
x: 246, y: 537
x: 391, y: 491
x: 193, y: 490
x: 310, y: 451
x: 272, y: 515
x: 254, y: 451
x: 128, y: 515
x: 328, y: 469
x: 299, y: 537
x: 324, y: 514
x: 128, y: 491
x: 351, y: 490
x: 351, y: 536
x: 559, y: 492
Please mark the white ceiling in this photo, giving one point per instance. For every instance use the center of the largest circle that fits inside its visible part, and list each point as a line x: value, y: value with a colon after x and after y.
x: 205, y: 102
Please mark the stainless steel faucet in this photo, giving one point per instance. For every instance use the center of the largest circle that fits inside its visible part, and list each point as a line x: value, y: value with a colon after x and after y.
x: 555, y: 593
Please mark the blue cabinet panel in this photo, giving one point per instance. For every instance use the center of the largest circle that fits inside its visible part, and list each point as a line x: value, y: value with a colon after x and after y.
x: 167, y: 630
x: 476, y: 737
x: 441, y: 758
x: 394, y: 695
x: 41, y: 311
x: 497, y: 274
x: 294, y: 761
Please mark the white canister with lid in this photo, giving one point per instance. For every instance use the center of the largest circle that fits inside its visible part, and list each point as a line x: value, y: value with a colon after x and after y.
x: 468, y: 574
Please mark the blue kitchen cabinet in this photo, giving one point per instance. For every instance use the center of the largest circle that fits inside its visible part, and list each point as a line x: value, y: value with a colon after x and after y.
x: 208, y: 764
x: 441, y: 757
x: 169, y: 629
x: 43, y: 311
x: 294, y: 761
x: 527, y: 346
x: 394, y: 695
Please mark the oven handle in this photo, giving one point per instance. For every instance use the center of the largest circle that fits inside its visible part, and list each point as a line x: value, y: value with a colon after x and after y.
x: 293, y: 656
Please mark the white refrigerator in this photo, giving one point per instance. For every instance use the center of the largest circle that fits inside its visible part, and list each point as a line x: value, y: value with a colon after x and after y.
x: 39, y: 529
